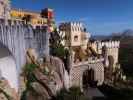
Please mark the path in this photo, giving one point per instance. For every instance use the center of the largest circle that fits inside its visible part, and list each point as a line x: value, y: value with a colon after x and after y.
x: 94, y: 94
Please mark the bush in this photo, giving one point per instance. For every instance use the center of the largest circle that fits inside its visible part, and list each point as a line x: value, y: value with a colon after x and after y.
x: 74, y: 93
x: 28, y: 73
x: 58, y: 51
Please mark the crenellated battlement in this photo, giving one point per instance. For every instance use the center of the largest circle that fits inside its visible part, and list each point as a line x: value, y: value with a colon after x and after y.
x: 12, y: 22
x: 108, y: 44
x: 20, y: 23
x: 77, y: 24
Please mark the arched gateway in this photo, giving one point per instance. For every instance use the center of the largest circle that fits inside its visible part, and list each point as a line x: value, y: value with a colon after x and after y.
x: 89, y: 78
x: 79, y: 72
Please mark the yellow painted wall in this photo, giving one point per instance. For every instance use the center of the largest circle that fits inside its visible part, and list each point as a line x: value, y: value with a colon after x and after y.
x: 35, y: 20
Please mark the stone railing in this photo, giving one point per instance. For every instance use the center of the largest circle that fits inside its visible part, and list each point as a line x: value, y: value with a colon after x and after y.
x: 90, y: 60
x: 95, y: 60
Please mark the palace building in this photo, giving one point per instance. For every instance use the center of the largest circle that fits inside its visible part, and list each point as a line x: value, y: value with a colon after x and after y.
x: 88, y: 61
x: 74, y: 34
x: 43, y: 18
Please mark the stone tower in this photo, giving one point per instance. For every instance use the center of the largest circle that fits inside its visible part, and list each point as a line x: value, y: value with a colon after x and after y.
x: 5, y: 9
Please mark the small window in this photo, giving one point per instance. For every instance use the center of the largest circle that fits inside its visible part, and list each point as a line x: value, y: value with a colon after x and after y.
x: 76, y: 38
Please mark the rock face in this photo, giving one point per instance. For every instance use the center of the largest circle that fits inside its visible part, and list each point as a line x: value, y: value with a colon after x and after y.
x: 44, y: 79
x: 8, y: 68
x: 42, y: 93
x: 6, y: 92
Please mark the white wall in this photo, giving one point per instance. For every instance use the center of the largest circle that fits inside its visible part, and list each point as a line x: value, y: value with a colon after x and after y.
x: 8, y: 68
x: 9, y: 71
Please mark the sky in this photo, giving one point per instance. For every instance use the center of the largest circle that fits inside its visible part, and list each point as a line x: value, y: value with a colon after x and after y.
x: 100, y: 16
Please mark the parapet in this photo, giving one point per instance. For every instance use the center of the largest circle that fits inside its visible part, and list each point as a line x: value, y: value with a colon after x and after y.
x: 76, y: 24
x: 108, y: 44
x: 91, y: 60
x: 72, y: 24
x: 12, y: 22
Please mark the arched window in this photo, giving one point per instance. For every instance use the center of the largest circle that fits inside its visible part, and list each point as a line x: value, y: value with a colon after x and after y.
x: 76, y: 38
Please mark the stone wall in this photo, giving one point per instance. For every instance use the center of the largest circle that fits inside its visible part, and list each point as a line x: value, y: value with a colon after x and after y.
x: 112, y: 48
x: 18, y: 37
x: 12, y: 36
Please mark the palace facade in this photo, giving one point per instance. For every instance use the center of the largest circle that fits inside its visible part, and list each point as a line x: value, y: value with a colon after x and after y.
x: 36, y: 19
x: 74, y: 34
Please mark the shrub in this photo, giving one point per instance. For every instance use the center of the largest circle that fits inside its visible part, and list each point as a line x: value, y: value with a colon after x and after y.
x: 74, y: 93
x: 28, y: 73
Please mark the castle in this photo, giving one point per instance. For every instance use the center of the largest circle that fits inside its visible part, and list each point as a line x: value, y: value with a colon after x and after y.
x: 17, y: 36
x: 36, y: 19
x: 74, y: 34
x: 96, y: 54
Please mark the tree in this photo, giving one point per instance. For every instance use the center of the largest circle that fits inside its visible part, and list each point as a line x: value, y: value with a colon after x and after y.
x: 56, y: 47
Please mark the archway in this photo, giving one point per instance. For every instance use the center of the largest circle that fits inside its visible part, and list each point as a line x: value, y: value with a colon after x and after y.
x: 88, y: 79
x: 8, y: 68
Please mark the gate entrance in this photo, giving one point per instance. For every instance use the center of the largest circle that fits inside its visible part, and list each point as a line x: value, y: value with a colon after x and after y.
x: 88, y: 79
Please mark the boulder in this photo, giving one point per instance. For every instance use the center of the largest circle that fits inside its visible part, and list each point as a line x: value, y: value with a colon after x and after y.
x: 49, y: 77
x: 31, y: 56
x: 6, y: 92
x: 41, y: 91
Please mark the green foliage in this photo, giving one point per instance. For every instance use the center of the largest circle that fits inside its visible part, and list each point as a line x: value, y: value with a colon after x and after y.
x: 29, y: 68
x: 28, y: 73
x: 116, y: 93
x: 56, y: 48
x: 73, y: 94
x: 23, y: 97
x: 59, y: 51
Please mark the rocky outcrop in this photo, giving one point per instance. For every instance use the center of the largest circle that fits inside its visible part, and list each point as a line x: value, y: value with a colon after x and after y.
x: 43, y: 79
x: 6, y: 92
x: 39, y: 93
